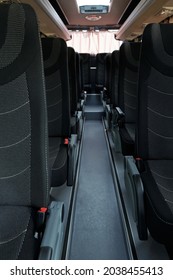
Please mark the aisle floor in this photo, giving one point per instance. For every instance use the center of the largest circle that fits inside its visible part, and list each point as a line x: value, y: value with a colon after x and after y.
x: 97, y: 231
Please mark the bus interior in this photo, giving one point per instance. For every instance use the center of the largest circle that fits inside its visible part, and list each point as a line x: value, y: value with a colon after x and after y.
x: 86, y: 129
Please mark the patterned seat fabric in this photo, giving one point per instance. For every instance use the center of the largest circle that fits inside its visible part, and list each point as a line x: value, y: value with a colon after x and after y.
x: 85, y: 71
x: 114, y: 79
x: 55, y: 55
x: 24, y: 180
x: 108, y: 69
x: 100, y: 71
x: 127, y: 92
x: 155, y: 128
x: 73, y: 89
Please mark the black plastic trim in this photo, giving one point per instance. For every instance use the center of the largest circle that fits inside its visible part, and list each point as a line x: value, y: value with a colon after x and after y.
x: 59, y: 11
x: 132, y: 5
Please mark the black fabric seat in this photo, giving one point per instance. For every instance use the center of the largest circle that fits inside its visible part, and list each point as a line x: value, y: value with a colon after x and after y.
x: 114, y: 78
x: 100, y: 71
x: 73, y: 88
x: 76, y: 110
x: 80, y: 82
x: 111, y: 96
x: 107, y: 86
x: 127, y: 93
x: 24, y: 179
x: 85, y: 60
x: 55, y: 55
x: 157, y: 180
x: 155, y: 129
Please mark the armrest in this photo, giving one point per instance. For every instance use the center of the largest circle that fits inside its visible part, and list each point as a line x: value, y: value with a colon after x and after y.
x: 105, y: 93
x: 84, y: 95
x: 73, y: 141
x: 71, y: 158
x: 108, y: 108
x: 120, y: 112
x: 79, y: 115
x: 108, y: 112
x: 81, y: 105
x: 136, y: 193
x: 120, y: 116
x: 52, y: 241
x: 79, y: 123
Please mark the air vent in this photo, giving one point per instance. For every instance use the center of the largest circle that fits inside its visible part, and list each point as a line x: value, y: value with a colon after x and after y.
x: 94, y: 9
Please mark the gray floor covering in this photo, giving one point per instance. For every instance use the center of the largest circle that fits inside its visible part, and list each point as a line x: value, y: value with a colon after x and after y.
x: 97, y: 230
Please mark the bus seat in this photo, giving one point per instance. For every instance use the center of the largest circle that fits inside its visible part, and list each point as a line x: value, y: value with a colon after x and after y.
x: 155, y: 128
x: 154, y: 138
x: 76, y: 114
x: 24, y: 172
x: 55, y: 55
x: 127, y: 94
x: 100, y: 70
x: 110, y: 108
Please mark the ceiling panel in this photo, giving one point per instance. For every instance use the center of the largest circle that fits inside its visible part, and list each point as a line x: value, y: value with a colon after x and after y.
x: 74, y: 18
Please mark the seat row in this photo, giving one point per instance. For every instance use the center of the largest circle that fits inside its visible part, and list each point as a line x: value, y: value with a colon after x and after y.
x: 40, y: 126
x: 139, y: 110
x: 94, y: 72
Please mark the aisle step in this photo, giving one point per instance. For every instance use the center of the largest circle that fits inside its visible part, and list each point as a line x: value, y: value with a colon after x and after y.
x: 94, y: 112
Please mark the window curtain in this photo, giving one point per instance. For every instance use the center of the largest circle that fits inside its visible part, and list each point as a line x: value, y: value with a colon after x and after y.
x: 93, y: 42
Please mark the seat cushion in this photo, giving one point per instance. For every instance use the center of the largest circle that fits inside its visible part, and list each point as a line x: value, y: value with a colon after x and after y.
x: 158, y: 184
x: 57, y: 161
x: 127, y: 134
x: 17, y: 239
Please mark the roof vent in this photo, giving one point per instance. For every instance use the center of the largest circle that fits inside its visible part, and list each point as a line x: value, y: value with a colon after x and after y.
x: 94, y: 9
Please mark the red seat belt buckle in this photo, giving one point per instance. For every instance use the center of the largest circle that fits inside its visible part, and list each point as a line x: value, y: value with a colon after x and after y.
x: 66, y: 141
x: 42, y: 210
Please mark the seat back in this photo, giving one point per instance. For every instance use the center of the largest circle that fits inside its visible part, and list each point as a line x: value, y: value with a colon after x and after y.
x: 155, y: 117
x: 100, y: 70
x: 86, y: 71
x: 128, y: 79
x: 108, y: 65
x: 72, y: 79
x: 79, y: 75
x: 114, y: 78
x: 55, y: 55
x: 24, y: 180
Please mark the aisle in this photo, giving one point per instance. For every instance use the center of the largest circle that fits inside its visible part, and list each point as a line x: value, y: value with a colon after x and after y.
x: 97, y: 230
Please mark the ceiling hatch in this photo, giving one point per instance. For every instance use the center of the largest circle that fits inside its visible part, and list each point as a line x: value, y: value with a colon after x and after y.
x: 93, y: 9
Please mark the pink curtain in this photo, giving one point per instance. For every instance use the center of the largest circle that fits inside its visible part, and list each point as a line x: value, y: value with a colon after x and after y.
x: 93, y: 42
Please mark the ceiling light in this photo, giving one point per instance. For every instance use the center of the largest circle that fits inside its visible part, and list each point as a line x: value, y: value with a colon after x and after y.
x: 93, y: 2
x: 93, y: 17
